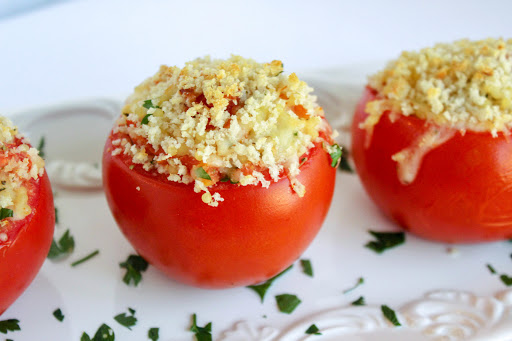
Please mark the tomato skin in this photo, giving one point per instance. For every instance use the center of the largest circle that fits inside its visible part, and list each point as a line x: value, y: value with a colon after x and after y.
x: 462, y: 192
x: 30, y: 239
x: 251, y: 236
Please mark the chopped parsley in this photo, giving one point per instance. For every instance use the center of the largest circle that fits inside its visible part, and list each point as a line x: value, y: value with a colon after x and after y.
x: 86, y: 258
x: 127, y: 320
x: 148, y: 104
x: 201, y: 333
x: 226, y: 179
x: 56, y: 215
x: 153, y: 334
x: 63, y: 247
x: 40, y: 146
x: 261, y: 289
x: 385, y: 240
x: 200, y: 172
x: 134, y: 266
x: 104, y: 333
x: 335, y: 155
x: 303, y: 161
x: 58, y: 315
x: 344, y: 164
x: 6, y: 213
x: 9, y: 325
x: 145, y: 120
x: 359, y: 301
x: 287, y: 303
x: 313, y: 330
x: 390, y: 315
x: 360, y: 281
x: 506, y: 280
x: 491, y: 269
x: 307, y: 268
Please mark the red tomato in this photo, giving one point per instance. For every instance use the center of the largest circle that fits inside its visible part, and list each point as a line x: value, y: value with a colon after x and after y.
x: 251, y: 236
x: 28, y: 243
x: 462, y: 191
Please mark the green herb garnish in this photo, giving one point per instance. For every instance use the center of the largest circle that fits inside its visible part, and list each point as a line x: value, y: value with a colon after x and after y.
x: 390, y: 315
x: 104, y: 333
x: 313, y: 330
x: 359, y: 301
x: 9, y: 325
x: 491, y: 269
x: 307, y: 268
x: 56, y: 215
x: 153, y: 334
x: 200, y: 172
x: 6, y: 213
x: 506, y: 280
x: 226, y: 179
x: 40, y: 146
x: 148, y: 104
x: 303, y: 161
x: 86, y: 258
x: 131, y: 167
x: 261, y: 289
x: 145, y: 119
x: 202, y: 333
x: 287, y: 303
x: 335, y: 155
x: 134, y: 266
x: 344, y: 164
x: 127, y: 320
x: 385, y: 240
x: 360, y: 281
x: 64, y: 246
x: 58, y: 315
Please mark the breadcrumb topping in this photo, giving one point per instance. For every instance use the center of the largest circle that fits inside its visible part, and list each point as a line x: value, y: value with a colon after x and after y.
x: 221, y: 120
x: 19, y: 162
x: 466, y: 85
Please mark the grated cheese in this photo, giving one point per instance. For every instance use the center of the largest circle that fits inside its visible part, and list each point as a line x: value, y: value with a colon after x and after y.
x: 221, y: 120
x: 465, y: 85
x: 19, y: 162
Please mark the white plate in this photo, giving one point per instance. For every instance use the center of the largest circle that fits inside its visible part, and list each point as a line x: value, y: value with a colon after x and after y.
x: 437, y: 294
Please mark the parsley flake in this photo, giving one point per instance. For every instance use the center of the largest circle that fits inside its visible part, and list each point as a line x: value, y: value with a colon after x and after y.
x: 390, y: 315
x: 201, y: 333
x: 313, y: 330
x: 104, y: 333
x: 287, y: 303
x: 56, y: 215
x: 64, y: 246
x: 40, y: 146
x: 145, y: 119
x: 6, y: 213
x: 261, y: 289
x: 148, y: 104
x: 335, y: 155
x: 58, y: 315
x: 134, y: 266
x: 491, y: 269
x: 200, y: 172
x: 506, y: 280
x: 9, y: 325
x: 359, y: 301
x: 86, y: 258
x: 153, y: 334
x: 360, y: 281
x: 127, y: 320
x: 344, y: 165
x: 385, y: 240
x: 307, y: 268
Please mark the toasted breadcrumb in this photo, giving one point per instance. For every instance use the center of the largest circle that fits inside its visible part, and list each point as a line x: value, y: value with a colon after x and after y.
x: 18, y: 164
x: 465, y: 85
x: 221, y: 120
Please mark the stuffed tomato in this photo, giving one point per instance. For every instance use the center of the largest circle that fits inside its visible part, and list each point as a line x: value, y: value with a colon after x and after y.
x: 431, y: 141
x: 27, y: 215
x: 220, y: 173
